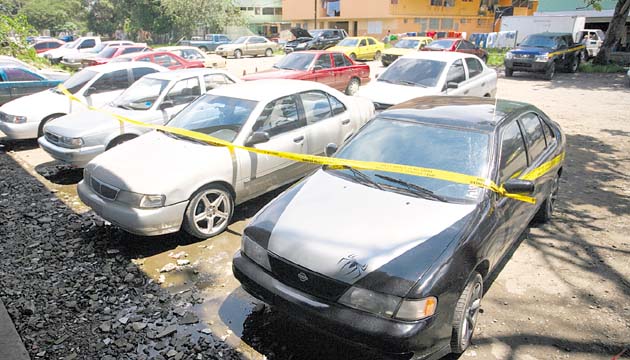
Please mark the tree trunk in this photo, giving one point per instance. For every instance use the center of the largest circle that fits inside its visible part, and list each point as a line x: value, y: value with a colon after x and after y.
x: 613, y: 34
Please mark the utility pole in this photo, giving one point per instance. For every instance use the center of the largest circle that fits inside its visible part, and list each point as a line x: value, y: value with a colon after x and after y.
x: 315, y: 14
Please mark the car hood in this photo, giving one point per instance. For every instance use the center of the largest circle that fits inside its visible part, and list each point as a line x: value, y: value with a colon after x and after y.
x: 229, y: 46
x: 388, y: 235
x: 172, y: 165
x: 530, y: 50
x: 398, y: 51
x: 300, y: 33
x: 392, y: 94
x: 23, y: 106
x: 274, y: 74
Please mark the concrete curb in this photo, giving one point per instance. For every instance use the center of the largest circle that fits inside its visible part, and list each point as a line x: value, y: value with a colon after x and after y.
x: 11, y: 346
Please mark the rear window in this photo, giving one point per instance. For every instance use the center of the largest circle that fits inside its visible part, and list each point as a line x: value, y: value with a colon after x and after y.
x: 441, y: 44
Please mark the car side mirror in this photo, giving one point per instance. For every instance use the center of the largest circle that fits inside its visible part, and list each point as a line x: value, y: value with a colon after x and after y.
x: 518, y: 186
x: 166, y: 104
x: 317, y: 67
x: 258, y: 137
x: 452, y: 85
x: 331, y: 149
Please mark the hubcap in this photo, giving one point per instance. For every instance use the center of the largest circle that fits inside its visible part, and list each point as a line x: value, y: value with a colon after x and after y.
x: 471, y: 314
x: 353, y: 87
x: 212, y: 211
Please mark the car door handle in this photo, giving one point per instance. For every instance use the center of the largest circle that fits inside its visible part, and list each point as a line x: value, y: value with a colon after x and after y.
x: 345, y: 122
x: 298, y: 139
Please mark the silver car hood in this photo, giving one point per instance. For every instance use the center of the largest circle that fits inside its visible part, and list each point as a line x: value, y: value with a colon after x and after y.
x: 155, y: 163
x: 356, y: 223
x: 392, y: 94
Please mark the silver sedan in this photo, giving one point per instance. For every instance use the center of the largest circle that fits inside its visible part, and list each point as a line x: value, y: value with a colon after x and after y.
x: 160, y: 182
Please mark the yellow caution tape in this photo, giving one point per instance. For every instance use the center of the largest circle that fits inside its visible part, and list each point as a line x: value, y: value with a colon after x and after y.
x: 580, y: 47
x: 339, y: 163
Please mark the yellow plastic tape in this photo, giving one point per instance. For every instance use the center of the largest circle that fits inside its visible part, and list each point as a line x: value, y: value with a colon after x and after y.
x: 550, y: 55
x: 338, y: 163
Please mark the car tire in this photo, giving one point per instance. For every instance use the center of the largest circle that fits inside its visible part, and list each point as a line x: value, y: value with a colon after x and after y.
x: 509, y: 72
x: 550, y: 72
x: 353, y: 56
x: 377, y: 56
x: 466, y: 312
x: 40, y: 128
x: 218, y: 200
x: 203, y: 48
x: 238, y: 54
x: 119, y: 140
x: 574, y: 65
x: 268, y: 53
x: 484, y: 59
x: 545, y: 213
x: 353, y: 86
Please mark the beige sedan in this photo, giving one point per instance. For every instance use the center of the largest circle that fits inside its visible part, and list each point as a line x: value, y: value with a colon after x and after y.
x: 247, y: 45
x: 193, y: 53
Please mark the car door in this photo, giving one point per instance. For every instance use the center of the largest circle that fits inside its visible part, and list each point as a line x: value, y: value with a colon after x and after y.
x: 106, y: 88
x: 363, y: 49
x: 284, y: 121
x: 562, y: 46
x: 476, y: 84
x: 372, y: 48
x: 456, y: 74
x: 342, y: 71
x: 182, y: 93
x: 323, y: 70
x: 322, y: 125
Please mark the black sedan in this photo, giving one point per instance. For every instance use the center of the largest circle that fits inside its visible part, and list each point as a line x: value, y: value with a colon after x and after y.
x: 397, y: 262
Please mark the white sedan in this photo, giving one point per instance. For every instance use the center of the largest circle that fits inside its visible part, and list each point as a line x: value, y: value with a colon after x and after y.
x: 160, y: 182
x: 25, y: 117
x: 194, y: 53
x: 431, y: 73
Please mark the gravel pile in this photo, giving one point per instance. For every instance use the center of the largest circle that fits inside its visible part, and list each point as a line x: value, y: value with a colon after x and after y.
x: 73, y: 295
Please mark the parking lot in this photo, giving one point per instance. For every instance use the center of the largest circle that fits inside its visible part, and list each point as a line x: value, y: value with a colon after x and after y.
x: 76, y: 286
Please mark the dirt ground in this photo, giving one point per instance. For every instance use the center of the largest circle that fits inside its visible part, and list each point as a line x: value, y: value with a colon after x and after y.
x: 564, y: 292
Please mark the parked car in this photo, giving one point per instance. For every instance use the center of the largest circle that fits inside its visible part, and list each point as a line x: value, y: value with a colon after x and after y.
x: 52, y: 74
x: 211, y: 42
x: 457, y: 45
x: 431, y: 73
x: 593, y: 40
x: 78, y: 45
x: 77, y: 138
x: 17, y: 81
x: 361, y: 47
x: 331, y: 68
x: 24, y: 118
x: 248, y: 45
x: 300, y: 36
x: 396, y: 262
x: 48, y: 44
x: 284, y: 115
x: 73, y: 60
x: 162, y: 58
x: 193, y: 53
x: 404, y: 46
x: 322, y: 39
x: 111, y: 52
x: 544, y: 53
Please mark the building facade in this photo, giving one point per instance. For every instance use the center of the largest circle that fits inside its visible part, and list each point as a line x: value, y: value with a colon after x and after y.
x: 377, y: 17
x: 264, y: 17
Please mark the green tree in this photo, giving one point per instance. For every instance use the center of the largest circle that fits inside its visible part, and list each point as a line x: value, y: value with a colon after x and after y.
x: 213, y: 15
x: 615, y: 29
x: 13, y: 33
x: 10, y: 7
x: 51, y: 15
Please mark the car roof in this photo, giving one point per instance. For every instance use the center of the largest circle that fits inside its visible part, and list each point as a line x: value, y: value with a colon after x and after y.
x: 445, y: 56
x: 476, y: 113
x: 184, y: 73
x: 113, y: 66
x: 268, y: 89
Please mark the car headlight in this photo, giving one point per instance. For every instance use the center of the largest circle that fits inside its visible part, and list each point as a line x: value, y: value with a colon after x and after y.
x: 386, y: 305
x: 71, y: 142
x: 509, y: 55
x: 255, y: 252
x: 141, y: 201
x: 15, y: 119
x: 542, y: 58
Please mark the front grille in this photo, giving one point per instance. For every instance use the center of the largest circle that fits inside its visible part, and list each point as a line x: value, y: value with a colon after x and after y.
x: 104, y: 190
x: 522, y: 64
x: 524, y: 56
x: 51, y: 137
x: 314, y: 283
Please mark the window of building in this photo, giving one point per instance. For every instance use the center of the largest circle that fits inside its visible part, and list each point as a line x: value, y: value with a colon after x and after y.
x: 267, y: 11
x: 257, y: 11
x: 278, y: 11
x: 447, y: 24
x: 394, y: 2
x: 449, y: 3
x: 437, y: 2
x: 434, y: 24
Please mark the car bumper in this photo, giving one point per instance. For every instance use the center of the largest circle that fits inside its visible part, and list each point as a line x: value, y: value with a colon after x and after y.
x: 147, y: 222
x: 73, y: 65
x: 398, y: 339
x: 527, y: 65
x: 26, y: 130
x: 76, y: 157
x: 224, y: 53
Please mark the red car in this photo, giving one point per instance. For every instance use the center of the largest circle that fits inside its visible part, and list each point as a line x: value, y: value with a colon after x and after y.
x: 46, y: 45
x: 332, y: 68
x: 458, y: 45
x: 163, y: 58
x: 110, y: 52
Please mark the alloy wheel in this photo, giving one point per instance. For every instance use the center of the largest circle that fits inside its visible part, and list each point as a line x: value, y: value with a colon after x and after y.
x: 471, y: 315
x: 212, y: 211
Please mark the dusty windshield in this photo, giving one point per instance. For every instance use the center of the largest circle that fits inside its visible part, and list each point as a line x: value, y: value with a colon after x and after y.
x: 295, y: 61
x: 240, y: 40
x: 441, y: 44
x: 348, y: 42
x: 407, y: 44
x: 414, y: 72
x: 141, y: 95
x: 78, y: 80
x: 107, y: 53
x: 539, y: 41
x: 217, y: 116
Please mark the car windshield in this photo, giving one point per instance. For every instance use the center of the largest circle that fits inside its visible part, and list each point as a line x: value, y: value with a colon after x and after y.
x: 316, y: 33
x: 141, y: 95
x: 122, y: 59
x: 424, y: 145
x: 539, y: 41
x: 348, y: 42
x: 98, y: 48
x: 78, y: 80
x: 296, y: 61
x: 214, y: 115
x: 415, y: 72
x: 71, y: 45
x: 407, y: 44
x: 107, y: 53
x: 440, y: 44
x: 240, y: 40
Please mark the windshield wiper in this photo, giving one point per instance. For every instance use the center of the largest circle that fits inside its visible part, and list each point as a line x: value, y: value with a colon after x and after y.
x: 407, y: 82
x: 417, y: 189
x: 359, y: 174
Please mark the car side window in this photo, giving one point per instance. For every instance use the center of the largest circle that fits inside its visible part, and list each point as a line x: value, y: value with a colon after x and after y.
x: 465, y: 45
x: 561, y: 43
x: 474, y: 67
x: 456, y: 73
x: 165, y: 60
x: 339, y: 60
x: 363, y: 43
x: 550, y: 137
x: 215, y: 80
x: 89, y: 43
x: 130, y: 50
x: 184, y: 91
x: 324, y: 61
x: 316, y: 106
x: 513, y: 155
x: 371, y: 41
x: 137, y: 73
x: 191, y: 54
x: 337, y: 106
x: 116, y: 80
x: 534, y: 135
x: 347, y: 61
x: 20, y: 75
x: 279, y: 116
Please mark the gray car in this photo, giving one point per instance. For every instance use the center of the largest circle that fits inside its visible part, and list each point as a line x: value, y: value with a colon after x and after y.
x: 160, y: 182
x: 79, y: 137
